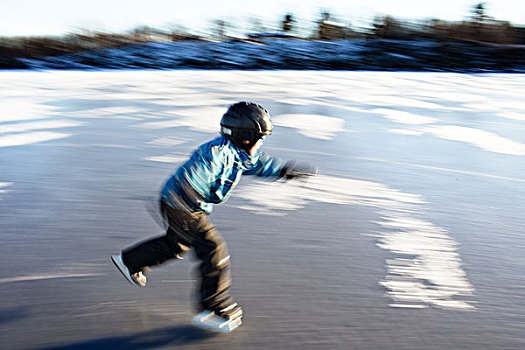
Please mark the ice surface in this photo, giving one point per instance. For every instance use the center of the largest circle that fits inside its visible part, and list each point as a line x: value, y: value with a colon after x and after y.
x: 434, y: 276
x: 437, y: 109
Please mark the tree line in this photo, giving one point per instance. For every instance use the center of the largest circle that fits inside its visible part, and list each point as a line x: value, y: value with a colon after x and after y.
x: 477, y: 27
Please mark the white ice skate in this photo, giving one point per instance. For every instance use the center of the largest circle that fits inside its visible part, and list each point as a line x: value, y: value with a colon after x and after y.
x: 137, y: 279
x: 220, y: 322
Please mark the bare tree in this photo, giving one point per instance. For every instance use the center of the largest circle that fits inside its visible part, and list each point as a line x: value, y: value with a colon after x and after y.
x: 479, y: 14
x: 288, y: 23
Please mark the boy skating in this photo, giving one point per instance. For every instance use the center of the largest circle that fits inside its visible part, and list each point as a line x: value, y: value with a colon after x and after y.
x: 186, y: 200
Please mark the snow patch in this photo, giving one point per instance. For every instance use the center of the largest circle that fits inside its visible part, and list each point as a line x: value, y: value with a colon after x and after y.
x: 38, y: 125
x: 4, y: 185
x: 476, y: 137
x: 167, y: 158
x: 433, y: 274
x: 205, y: 119
x: 167, y: 142
x: 311, y: 125
x: 404, y: 117
x: 406, y: 132
x: 30, y: 138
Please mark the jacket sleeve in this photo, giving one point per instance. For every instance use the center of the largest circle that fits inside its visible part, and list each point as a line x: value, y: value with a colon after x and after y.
x: 265, y: 166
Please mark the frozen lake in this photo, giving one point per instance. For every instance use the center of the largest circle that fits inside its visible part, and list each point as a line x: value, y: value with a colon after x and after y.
x: 410, y: 237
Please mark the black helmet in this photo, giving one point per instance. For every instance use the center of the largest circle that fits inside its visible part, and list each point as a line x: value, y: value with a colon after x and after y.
x: 246, y: 121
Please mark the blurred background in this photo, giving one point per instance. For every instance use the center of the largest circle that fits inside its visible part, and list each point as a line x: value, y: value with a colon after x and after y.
x: 385, y: 35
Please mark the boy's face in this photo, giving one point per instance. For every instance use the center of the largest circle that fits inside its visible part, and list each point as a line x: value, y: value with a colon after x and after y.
x: 253, y: 151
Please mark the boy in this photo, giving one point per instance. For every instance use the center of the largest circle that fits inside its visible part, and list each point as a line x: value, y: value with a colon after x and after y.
x: 207, y: 178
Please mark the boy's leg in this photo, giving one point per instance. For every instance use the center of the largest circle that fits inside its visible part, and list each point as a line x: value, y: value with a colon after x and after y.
x: 199, y: 233
x: 189, y: 230
x: 214, y: 269
x: 219, y: 313
x: 174, y: 244
x: 154, y: 251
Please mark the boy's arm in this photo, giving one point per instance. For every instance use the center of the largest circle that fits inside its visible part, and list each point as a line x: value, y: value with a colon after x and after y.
x: 267, y: 166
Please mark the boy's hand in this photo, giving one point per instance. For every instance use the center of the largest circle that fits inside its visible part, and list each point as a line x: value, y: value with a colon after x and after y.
x: 297, y: 170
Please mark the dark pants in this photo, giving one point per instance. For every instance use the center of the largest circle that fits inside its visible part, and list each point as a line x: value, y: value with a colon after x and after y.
x: 188, y: 230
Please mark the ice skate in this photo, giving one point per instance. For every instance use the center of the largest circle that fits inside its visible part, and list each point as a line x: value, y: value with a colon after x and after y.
x: 137, y: 279
x: 222, y: 321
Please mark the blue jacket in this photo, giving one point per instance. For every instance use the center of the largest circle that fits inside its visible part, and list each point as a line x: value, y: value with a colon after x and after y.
x: 212, y: 172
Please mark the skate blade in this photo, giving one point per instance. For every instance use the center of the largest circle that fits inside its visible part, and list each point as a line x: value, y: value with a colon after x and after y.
x: 209, y: 321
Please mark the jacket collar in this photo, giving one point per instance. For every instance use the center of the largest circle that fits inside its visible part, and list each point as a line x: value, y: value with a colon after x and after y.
x: 243, y: 157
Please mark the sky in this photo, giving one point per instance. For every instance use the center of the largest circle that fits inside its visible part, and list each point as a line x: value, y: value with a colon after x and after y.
x: 56, y: 17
